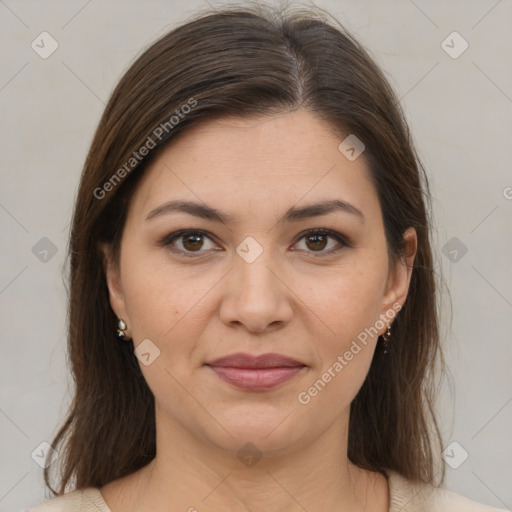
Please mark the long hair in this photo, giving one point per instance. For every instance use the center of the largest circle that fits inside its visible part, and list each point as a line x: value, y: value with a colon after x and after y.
x: 245, y: 61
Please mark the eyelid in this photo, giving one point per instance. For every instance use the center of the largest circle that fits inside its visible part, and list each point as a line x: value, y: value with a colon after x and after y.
x: 340, y: 238
x: 167, y: 240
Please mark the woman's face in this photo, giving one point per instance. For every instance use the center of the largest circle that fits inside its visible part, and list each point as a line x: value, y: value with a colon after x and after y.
x: 256, y: 282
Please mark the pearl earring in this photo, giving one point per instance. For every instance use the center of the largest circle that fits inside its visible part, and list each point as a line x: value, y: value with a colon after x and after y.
x: 121, y: 328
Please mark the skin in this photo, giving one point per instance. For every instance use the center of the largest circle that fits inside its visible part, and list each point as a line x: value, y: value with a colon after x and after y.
x: 298, y: 298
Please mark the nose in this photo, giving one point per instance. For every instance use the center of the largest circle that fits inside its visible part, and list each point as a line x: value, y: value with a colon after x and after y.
x: 257, y: 295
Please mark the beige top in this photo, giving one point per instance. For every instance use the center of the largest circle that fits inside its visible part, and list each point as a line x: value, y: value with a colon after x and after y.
x: 405, y: 496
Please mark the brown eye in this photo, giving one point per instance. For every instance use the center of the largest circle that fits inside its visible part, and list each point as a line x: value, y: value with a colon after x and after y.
x: 323, y: 242
x: 192, y: 242
x: 188, y: 242
x: 316, y: 242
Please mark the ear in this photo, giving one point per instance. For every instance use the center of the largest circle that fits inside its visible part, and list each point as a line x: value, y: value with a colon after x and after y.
x: 399, y: 277
x: 114, y: 284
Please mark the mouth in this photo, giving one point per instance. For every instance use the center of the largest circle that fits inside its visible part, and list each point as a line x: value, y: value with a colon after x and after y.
x: 256, y: 373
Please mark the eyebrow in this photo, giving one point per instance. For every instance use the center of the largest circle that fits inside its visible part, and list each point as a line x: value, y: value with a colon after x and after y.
x: 294, y: 214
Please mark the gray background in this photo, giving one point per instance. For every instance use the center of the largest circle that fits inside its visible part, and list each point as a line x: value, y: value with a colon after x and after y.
x: 460, y: 113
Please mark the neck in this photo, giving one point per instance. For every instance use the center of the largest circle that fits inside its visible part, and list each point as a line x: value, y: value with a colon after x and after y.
x: 196, y: 476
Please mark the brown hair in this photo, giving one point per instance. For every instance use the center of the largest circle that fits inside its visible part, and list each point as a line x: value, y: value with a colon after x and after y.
x: 245, y: 61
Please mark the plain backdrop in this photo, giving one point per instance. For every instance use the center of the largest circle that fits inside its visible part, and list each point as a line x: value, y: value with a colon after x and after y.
x: 458, y: 102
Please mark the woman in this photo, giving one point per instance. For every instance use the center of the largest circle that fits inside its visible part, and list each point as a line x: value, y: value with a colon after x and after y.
x: 253, y: 320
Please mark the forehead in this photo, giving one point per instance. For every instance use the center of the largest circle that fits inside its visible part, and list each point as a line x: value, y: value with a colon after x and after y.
x: 256, y: 164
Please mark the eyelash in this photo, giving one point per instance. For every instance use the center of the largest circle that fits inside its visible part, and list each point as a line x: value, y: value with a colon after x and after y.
x: 344, y: 241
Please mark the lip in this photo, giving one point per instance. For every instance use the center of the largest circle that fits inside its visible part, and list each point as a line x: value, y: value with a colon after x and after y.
x: 256, y: 373
x: 241, y: 360
x: 259, y: 379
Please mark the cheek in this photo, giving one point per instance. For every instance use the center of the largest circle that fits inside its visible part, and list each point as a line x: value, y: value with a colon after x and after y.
x: 348, y: 305
x: 157, y: 295
x: 168, y: 305
x: 163, y: 306
x: 349, y: 309
x: 347, y: 301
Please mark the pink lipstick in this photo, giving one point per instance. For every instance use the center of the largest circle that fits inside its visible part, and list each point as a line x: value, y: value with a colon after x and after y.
x: 256, y: 373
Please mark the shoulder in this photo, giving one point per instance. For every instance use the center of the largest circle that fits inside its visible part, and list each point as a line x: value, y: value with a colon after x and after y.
x: 84, y: 500
x: 407, y: 496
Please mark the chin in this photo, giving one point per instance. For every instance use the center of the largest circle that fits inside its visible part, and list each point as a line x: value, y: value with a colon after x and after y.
x: 270, y: 433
